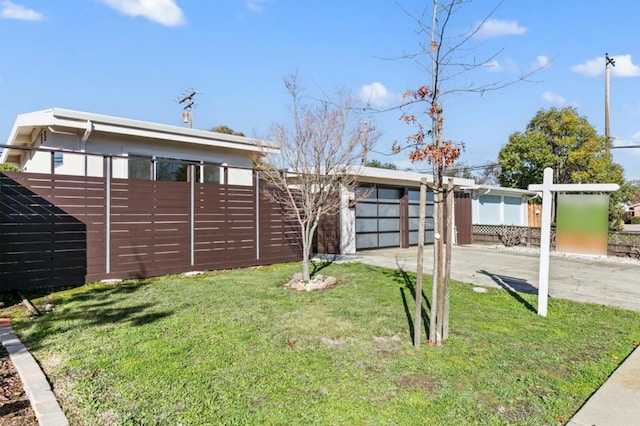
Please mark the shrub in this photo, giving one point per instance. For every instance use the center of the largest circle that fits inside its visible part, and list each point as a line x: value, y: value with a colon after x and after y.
x: 4, y: 167
x: 635, y: 220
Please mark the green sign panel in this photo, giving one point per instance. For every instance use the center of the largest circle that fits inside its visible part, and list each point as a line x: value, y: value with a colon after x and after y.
x: 582, y: 222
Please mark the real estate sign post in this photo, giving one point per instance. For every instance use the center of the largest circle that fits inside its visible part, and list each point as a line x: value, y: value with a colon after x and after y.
x: 547, y: 188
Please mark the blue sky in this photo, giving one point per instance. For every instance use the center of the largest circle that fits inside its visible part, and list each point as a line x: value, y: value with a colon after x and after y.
x: 133, y: 58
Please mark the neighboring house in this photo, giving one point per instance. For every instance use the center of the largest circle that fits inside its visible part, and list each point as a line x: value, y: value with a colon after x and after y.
x: 634, y: 210
x: 495, y: 205
x: 141, y: 150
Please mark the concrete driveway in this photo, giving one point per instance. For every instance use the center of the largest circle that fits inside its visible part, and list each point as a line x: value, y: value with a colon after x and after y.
x: 605, y: 282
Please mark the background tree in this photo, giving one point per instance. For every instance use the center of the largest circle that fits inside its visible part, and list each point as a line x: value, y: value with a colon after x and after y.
x: 489, y: 174
x: 565, y: 141
x: 380, y: 165
x: 226, y: 130
x: 5, y: 167
x: 460, y: 169
x: 320, y: 152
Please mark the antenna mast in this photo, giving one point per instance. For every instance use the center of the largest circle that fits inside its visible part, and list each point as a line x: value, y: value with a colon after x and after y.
x: 187, y: 115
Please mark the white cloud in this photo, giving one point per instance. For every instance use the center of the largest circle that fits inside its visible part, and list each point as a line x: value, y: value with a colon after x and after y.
x: 15, y: 11
x: 542, y: 61
x: 165, y: 12
x: 256, y: 6
x: 496, y: 28
x: 493, y: 66
x: 377, y: 95
x: 595, y: 67
x: 553, y: 98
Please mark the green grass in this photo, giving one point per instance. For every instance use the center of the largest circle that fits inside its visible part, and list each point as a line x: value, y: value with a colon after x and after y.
x: 234, y: 347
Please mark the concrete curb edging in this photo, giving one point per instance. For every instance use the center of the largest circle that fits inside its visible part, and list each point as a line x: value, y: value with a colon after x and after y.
x: 34, y: 382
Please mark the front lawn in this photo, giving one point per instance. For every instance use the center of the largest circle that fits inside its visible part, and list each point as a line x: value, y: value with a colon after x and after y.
x: 234, y: 347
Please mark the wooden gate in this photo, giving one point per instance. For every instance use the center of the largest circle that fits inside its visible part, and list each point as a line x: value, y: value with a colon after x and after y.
x: 464, y: 228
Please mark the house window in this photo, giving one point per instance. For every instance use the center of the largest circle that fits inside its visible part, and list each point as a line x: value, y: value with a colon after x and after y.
x: 171, y: 169
x: 140, y: 167
x: 58, y: 159
x: 211, y: 174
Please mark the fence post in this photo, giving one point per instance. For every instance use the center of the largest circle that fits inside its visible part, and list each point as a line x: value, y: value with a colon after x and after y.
x: 192, y: 223
x: 107, y: 217
x: 257, y: 184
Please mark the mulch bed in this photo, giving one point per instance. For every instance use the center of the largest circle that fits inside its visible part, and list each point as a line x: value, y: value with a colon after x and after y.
x: 15, y: 409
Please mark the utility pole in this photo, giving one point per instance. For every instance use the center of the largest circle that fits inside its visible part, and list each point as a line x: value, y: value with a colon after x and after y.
x: 187, y: 115
x: 607, y: 75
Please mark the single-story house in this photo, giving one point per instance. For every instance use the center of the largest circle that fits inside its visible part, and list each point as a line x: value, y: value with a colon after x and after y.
x: 496, y: 205
x: 141, y: 149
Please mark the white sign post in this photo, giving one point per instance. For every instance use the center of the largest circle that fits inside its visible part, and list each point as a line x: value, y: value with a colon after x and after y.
x: 547, y: 188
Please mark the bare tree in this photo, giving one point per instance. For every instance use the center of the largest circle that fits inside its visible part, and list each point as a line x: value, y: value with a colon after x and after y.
x: 447, y: 58
x: 320, y: 153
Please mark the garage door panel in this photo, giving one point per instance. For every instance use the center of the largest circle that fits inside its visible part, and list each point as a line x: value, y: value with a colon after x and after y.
x: 389, y: 240
x: 413, y: 237
x: 366, y: 210
x: 364, y: 241
x: 366, y: 225
x: 389, y: 210
x: 389, y: 194
x: 385, y: 225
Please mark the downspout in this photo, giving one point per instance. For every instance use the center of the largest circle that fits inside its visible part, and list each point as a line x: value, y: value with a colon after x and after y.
x: 85, y: 136
x: 83, y: 145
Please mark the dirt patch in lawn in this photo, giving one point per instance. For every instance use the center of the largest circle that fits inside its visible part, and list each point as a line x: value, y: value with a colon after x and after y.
x: 417, y: 381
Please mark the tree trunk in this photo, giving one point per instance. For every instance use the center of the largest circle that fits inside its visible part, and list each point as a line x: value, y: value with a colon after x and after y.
x: 436, y: 263
x: 447, y: 266
x: 417, y: 323
x: 440, y: 257
x: 306, y: 250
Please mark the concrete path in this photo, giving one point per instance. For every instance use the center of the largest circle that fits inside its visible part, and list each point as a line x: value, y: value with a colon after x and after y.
x: 617, y: 401
x: 34, y: 382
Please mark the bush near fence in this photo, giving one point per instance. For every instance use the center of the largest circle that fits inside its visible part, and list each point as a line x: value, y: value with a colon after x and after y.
x: 620, y: 243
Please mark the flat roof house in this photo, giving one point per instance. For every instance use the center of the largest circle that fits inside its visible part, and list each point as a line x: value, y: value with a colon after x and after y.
x: 141, y: 149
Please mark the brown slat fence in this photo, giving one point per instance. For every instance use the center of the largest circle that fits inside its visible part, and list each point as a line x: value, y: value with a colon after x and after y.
x: 60, y: 230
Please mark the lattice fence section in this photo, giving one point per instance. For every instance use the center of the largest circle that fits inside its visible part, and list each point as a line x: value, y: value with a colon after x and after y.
x: 509, y: 235
x: 620, y: 243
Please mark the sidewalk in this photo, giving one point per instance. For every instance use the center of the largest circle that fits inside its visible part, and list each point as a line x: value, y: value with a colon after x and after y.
x: 617, y: 402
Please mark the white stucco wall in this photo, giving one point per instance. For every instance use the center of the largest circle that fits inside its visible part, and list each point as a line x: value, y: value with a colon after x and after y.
x: 347, y: 222
x: 79, y: 164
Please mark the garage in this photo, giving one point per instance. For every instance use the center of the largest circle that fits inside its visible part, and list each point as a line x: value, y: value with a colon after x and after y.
x: 389, y: 217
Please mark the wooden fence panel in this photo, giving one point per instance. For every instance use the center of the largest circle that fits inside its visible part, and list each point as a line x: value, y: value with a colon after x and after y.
x: 150, y: 227
x: 279, y: 235
x: 225, y: 226
x: 55, y: 231
x: 47, y: 224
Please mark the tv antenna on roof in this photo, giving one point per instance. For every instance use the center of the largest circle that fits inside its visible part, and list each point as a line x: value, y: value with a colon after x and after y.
x: 187, y: 99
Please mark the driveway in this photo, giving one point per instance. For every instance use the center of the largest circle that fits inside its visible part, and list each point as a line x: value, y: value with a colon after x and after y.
x: 613, y: 282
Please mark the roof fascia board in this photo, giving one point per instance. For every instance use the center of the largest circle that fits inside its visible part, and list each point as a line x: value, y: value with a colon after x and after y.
x: 125, y: 126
